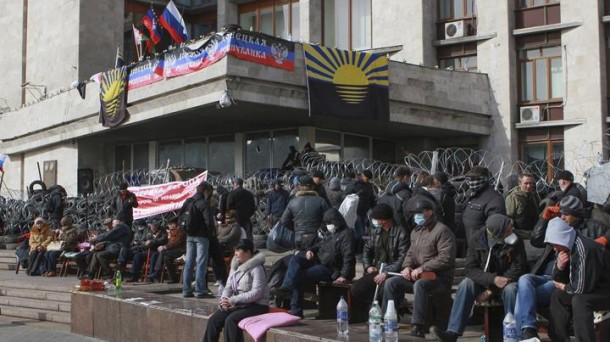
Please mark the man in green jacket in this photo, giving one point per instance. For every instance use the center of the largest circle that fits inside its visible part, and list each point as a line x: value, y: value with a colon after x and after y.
x: 522, y: 203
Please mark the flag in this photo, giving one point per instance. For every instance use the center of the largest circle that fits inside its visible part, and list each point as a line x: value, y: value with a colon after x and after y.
x: 347, y: 84
x: 119, y: 61
x: 137, y: 36
x: 82, y: 87
x: 159, y: 66
x: 172, y: 21
x: 113, y: 97
x: 2, y: 158
x: 151, y: 22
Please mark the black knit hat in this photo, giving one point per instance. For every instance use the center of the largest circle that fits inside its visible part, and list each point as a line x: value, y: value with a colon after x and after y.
x: 367, y: 173
x: 571, y: 205
x: 318, y: 174
x: 565, y: 175
x: 382, y: 211
x: 305, y: 181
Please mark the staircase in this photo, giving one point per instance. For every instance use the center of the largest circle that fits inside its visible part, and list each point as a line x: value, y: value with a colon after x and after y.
x: 40, y: 298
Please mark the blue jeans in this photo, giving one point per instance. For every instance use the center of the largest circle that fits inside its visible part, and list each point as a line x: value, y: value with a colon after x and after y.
x: 396, y: 287
x: 300, y: 272
x: 534, y: 291
x: 196, y: 255
x: 467, y: 292
x: 50, y: 260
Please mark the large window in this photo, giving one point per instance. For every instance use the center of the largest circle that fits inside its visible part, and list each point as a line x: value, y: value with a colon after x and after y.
x: 541, y: 74
x: 266, y: 150
x: 347, y: 24
x: 542, y: 151
x: 278, y: 18
x: 456, y: 9
x: 458, y: 57
x: 535, y: 3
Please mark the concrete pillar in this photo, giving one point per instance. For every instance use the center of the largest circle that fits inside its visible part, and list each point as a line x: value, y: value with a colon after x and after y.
x: 585, y: 97
x: 495, y: 57
x: 307, y: 135
x: 153, y: 146
x: 240, y: 154
x: 227, y: 14
x: 311, y: 20
x: 411, y: 24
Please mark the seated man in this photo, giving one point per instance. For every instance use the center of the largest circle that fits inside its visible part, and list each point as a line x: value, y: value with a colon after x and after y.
x: 83, y: 259
x: 148, y: 251
x: 495, y: 258
x: 387, y: 245
x: 428, y: 266
x: 111, y: 243
x: 332, y: 259
x: 175, y: 248
x: 581, y: 276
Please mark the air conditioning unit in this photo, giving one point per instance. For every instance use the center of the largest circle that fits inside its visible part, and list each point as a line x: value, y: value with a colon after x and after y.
x: 456, y: 29
x: 529, y: 114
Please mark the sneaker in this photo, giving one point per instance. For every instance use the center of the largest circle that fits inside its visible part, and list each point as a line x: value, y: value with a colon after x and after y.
x: 203, y: 295
x: 442, y: 335
x: 528, y: 333
x: 188, y: 295
x: 417, y: 331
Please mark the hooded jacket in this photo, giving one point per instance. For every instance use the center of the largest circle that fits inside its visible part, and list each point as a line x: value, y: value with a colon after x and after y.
x: 433, y: 249
x: 483, y: 204
x: 588, y: 268
x: 504, y: 260
x: 399, y: 244
x: 277, y: 200
x: 229, y: 235
x: 54, y: 207
x: 522, y: 207
x: 247, y: 283
x: 396, y: 194
x: 334, y: 192
x: 336, y: 251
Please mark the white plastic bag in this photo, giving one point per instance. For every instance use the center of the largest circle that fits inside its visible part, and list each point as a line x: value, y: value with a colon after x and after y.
x: 348, y: 209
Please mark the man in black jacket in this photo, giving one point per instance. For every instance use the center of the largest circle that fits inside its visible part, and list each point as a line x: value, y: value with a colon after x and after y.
x: 496, y: 258
x: 53, y: 209
x: 118, y: 237
x: 242, y: 201
x: 331, y: 259
x: 565, y: 180
x: 581, y: 276
x: 397, y: 193
x: 124, y: 203
x: 387, y: 245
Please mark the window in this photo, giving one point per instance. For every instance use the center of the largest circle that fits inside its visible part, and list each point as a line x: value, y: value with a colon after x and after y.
x: 535, y: 3
x: 278, y: 18
x: 195, y: 153
x: 541, y: 74
x: 458, y: 57
x: 221, y: 156
x: 384, y: 150
x: 542, y: 151
x: 347, y: 24
x: 456, y: 9
x: 258, y: 152
x: 355, y: 147
x: 282, y: 140
x: 170, y: 154
x: 328, y: 143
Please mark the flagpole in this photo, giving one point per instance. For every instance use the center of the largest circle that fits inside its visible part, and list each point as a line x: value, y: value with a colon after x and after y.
x: 1, y: 180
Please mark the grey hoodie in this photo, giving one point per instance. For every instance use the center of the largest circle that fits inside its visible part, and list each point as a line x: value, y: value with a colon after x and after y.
x: 247, y: 283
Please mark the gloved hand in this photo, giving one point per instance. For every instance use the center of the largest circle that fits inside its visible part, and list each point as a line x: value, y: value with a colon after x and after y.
x: 550, y: 212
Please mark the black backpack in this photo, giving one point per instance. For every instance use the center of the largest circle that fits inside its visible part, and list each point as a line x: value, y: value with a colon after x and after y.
x: 191, y: 219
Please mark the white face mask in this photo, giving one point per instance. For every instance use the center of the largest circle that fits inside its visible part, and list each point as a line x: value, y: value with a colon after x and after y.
x: 331, y: 228
x: 511, y: 239
x: 376, y: 223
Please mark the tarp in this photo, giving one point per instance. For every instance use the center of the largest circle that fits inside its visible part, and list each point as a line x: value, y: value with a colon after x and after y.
x: 598, y: 184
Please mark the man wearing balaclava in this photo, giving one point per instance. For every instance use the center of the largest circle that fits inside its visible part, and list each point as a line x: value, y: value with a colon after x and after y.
x: 495, y: 260
x: 483, y: 201
x: 581, y: 277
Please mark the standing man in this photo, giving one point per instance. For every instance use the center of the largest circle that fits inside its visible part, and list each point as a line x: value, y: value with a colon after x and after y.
x: 318, y: 185
x: 277, y: 200
x: 397, y: 193
x: 581, y: 277
x: 522, y: 203
x: 496, y: 258
x: 565, y: 179
x: 242, y: 201
x: 54, y: 207
x: 428, y: 267
x: 123, y: 205
x: 196, y: 218
x: 483, y: 201
x: 366, y: 200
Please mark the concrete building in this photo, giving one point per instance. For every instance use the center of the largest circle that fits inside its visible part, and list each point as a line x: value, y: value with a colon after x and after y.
x: 522, y: 79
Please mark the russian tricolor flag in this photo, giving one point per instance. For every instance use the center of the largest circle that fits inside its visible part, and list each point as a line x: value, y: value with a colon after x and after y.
x: 2, y: 158
x: 173, y: 23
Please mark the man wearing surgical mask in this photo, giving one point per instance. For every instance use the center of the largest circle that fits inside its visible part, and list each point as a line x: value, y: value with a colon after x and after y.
x: 331, y: 259
x: 428, y: 267
x: 387, y: 245
x: 496, y: 258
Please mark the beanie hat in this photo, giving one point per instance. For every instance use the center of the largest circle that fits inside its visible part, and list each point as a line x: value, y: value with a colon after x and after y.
x: 571, y: 205
x: 565, y: 175
x: 305, y: 181
x: 495, y: 226
x: 478, y: 172
x: 367, y: 173
x: 560, y: 233
x: 318, y: 174
x: 335, y: 184
x: 382, y: 211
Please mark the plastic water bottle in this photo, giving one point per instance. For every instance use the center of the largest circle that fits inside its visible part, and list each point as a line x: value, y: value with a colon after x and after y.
x: 118, y: 280
x: 375, y: 323
x: 510, y: 328
x: 390, y: 323
x: 342, y: 322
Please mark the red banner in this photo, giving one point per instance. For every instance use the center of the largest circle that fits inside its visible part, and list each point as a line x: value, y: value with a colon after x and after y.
x: 162, y: 198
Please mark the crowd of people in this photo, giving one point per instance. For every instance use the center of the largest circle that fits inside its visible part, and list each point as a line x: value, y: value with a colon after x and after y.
x: 527, y: 252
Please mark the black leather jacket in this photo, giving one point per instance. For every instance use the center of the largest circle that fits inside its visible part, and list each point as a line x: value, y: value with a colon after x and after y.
x: 399, y: 242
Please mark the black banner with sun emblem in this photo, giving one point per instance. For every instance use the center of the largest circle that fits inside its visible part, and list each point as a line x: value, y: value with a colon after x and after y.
x: 113, y: 97
x: 347, y: 84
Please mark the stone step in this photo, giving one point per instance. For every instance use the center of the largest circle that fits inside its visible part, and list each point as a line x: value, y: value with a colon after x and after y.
x: 8, y: 267
x: 5, y: 253
x: 50, y: 305
x: 38, y: 314
x: 37, y: 283
x: 36, y: 294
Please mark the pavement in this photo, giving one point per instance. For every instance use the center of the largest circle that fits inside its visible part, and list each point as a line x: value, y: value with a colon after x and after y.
x: 14, y: 329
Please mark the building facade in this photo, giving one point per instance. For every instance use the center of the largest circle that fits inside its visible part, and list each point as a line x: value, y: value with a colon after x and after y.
x: 523, y: 79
